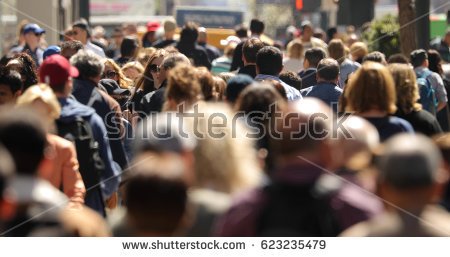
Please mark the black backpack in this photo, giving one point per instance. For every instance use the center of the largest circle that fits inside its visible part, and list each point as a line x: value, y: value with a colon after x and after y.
x: 91, y: 165
x: 298, y: 210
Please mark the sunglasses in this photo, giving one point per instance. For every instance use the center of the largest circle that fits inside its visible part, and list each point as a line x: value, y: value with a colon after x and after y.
x: 155, y: 68
x: 109, y: 74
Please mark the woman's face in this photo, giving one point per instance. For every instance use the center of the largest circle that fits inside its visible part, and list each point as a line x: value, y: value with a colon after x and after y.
x: 155, y: 71
x: 110, y: 73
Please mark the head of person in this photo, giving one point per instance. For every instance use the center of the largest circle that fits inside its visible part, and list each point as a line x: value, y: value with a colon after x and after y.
x: 269, y: 61
x: 10, y: 86
x: 295, y: 49
x: 189, y: 33
x: 406, y: 87
x: 307, y: 31
x: 25, y: 66
x: 250, y: 49
x: 241, y: 31
x: 398, y: 58
x: 307, y: 138
x: 375, y: 56
x: 43, y: 101
x: 170, y: 26
x: 23, y: 135
x: 57, y: 72
x: 152, y: 27
x: 183, y: 87
x: 117, y: 36
x: 292, y: 79
x: 447, y: 37
x: 229, y: 49
x: 277, y: 86
x: 32, y: 34
x: 313, y: 57
x: 357, y: 140
x: 328, y: 71
x: 129, y: 47
x: 435, y: 61
x: 409, y: 172
x: 70, y: 48
x: 235, y: 86
x: 256, y: 27
x: 132, y: 70
x: 81, y: 31
x: 358, y: 50
x: 419, y: 58
x: 51, y: 50
x: 148, y: 81
x: 225, y: 159
x: 169, y: 62
x: 89, y: 66
x: 202, y: 35
x: 336, y: 50
x: 113, y: 71
x: 371, y: 88
x: 155, y: 196
x: 206, y: 83
x: 219, y: 89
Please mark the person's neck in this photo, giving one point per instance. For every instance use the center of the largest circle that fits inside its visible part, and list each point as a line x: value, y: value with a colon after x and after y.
x: 374, y: 113
x: 32, y: 47
x: 323, y: 81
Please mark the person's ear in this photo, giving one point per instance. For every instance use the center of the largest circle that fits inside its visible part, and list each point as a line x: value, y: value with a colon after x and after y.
x: 17, y: 94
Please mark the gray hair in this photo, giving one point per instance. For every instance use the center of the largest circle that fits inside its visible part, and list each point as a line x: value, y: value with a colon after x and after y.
x: 88, y: 64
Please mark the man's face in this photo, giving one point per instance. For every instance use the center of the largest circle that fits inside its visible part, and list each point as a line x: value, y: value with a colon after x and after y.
x: 6, y: 95
x: 79, y: 34
x: 32, y: 39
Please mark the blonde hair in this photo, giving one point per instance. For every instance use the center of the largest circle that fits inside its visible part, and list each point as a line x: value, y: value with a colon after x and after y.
x: 336, y: 50
x: 358, y: 50
x: 133, y: 65
x: 123, y: 82
x: 406, y: 87
x: 183, y: 86
x: 44, y: 93
x: 295, y: 49
x: 227, y: 163
x: 371, y: 87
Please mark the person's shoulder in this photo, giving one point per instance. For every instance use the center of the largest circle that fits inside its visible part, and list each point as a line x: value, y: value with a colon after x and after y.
x: 58, y: 142
x: 306, y: 91
x: 404, y: 124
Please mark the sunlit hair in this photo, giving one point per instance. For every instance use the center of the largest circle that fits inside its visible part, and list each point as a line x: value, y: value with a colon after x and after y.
x: 336, y: 50
x: 295, y: 49
x: 358, y: 50
x: 44, y: 93
x: 206, y: 82
x: 123, y: 81
x: 144, y: 55
x: 183, y: 86
x: 227, y: 163
x: 370, y: 88
x: 133, y: 65
x: 406, y: 87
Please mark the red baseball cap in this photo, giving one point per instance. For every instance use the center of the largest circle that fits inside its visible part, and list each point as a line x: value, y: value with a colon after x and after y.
x: 56, y: 70
x: 152, y: 26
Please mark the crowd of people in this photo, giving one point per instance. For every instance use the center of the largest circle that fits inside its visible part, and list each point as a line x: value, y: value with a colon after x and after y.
x: 166, y: 135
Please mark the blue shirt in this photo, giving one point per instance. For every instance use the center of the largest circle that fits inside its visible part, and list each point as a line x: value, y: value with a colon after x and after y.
x: 347, y: 67
x: 291, y: 93
x: 325, y: 91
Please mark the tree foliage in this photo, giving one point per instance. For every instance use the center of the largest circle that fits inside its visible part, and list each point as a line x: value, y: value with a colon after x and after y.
x: 383, y: 35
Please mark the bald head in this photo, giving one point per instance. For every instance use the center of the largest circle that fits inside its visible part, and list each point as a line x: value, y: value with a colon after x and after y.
x: 305, y: 126
x: 409, y: 161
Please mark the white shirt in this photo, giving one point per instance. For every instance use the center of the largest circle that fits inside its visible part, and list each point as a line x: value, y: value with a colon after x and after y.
x: 95, y: 49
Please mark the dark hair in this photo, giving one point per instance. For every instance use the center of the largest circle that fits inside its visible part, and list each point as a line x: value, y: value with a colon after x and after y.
x: 417, y: 57
x: 73, y: 45
x: 189, y: 33
x: 434, y: 59
x: 375, y: 57
x: 328, y: 69
x: 27, y: 69
x: 22, y: 133
x: 84, y: 25
x: 250, y: 48
x: 292, y: 79
x: 129, y: 46
x: 269, y: 61
x: 314, y: 55
x: 241, y: 31
x: 11, y: 79
x: 206, y: 83
x: 6, y: 169
x: 398, y: 58
x: 236, y: 85
x: 256, y: 26
x: 331, y: 32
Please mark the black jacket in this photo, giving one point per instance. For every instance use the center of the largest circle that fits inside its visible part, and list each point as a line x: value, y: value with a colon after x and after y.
x: 308, y: 77
x: 195, y: 53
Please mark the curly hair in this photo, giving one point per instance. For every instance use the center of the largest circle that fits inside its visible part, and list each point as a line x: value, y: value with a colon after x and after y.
x: 406, y: 87
x: 26, y: 67
x: 183, y: 85
x: 88, y: 64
